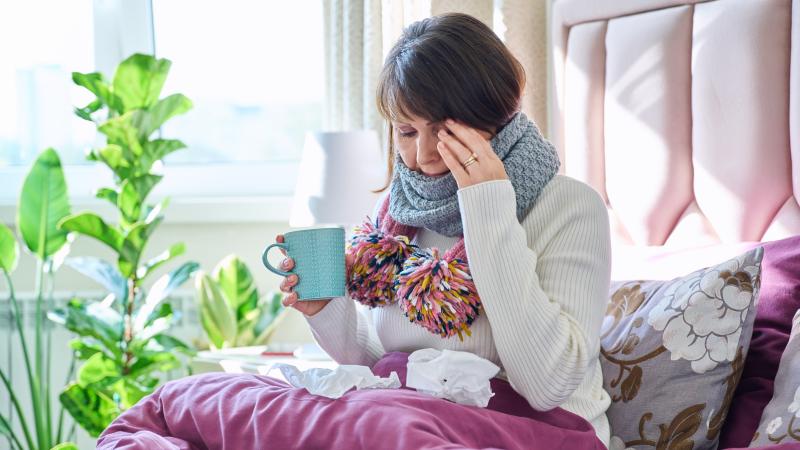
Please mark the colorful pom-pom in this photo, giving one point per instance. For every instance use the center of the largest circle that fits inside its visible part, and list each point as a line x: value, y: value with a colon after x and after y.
x: 438, y: 293
x: 378, y: 257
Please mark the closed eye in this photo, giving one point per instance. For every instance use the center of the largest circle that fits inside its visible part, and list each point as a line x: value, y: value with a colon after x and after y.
x: 407, y: 134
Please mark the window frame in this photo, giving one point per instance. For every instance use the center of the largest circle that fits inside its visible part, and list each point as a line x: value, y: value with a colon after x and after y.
x: 250, y: 192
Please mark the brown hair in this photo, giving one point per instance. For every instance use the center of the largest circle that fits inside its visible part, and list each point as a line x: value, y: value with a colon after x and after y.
x: 449, y: 66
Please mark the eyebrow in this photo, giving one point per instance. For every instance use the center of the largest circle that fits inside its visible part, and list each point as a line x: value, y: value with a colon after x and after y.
x: 431, y: 122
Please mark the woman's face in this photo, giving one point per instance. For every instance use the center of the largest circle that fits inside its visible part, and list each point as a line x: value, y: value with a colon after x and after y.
x: 416, y: 141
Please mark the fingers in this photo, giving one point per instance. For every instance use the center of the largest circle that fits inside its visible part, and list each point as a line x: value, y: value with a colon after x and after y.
x: 279, y: 238
x: 453, y: 164
x: 288, y: 283
x: 290, y: 299
x: 458, y: 149
x: 470, y: 138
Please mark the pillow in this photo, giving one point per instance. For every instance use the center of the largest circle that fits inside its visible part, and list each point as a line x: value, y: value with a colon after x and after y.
x: 672, y: 353
x: 780, y: 422
x: 778, y: 299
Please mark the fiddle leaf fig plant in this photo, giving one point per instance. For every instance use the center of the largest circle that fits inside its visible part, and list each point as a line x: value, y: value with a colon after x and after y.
x: 232, y: 312
x: 123, y: 340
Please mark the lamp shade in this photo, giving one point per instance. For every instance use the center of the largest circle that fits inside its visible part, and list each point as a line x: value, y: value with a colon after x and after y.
x: 338, y: 170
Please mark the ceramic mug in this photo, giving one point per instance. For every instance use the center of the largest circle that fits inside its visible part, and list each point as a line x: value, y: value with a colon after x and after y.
x: 318, y: 255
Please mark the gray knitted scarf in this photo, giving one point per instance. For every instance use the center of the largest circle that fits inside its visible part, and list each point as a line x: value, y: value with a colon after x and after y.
x: 530, y: 160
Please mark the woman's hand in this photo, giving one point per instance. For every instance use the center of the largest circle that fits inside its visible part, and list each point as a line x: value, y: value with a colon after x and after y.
x: 307, y: 307
x: 456, y: 148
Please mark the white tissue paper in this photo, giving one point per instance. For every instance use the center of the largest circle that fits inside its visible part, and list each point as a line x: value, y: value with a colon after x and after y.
x: 462, y: 377
x: 335, y: 383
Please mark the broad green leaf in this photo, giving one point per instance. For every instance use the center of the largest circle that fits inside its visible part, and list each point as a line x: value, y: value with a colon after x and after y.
x: 153, y: 212
x: 107, y: 194
x: 85, y: 350
x: 97, y: 369
x: 152, y: 325
x: 149, y: 120
x: 57, y: 260
x: 9, y: 249
x: 159, y: 148
x: 96, y: 84
x: 147, y: 362
x: 163, y: 257
x: 144, y: 184
x: 130, y: 391
x: 89, y: 407
x: 128, y: 202
x: 92, y: 225
x: 266, y: 334
x: 104, y: 273
x: 43, y: 202
x: 161, y: 289
x: 86, y: 112
x: 133, y: 246
x: 95, y: 320
x: 169, y: 343
x: 120, y: 131
x: 139, y: 79
x: 65, y: 446
x: 217, y: 318
x: 271, y: 307
x: 113, y: 156
x: 237, y: 285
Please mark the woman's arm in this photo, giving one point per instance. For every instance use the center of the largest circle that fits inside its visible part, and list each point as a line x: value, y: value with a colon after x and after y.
x: 345, y: 333
x: 545, y: 309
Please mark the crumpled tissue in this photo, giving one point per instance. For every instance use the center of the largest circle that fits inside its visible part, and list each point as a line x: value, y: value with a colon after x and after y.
x: 461, y: 377
x: 333, y: 383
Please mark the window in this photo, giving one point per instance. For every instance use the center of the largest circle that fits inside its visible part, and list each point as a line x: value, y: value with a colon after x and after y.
x: 39, y: 53
x: 254, y: 71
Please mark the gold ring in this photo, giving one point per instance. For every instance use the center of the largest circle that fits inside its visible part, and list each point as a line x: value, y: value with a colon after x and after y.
x: 470, y: 160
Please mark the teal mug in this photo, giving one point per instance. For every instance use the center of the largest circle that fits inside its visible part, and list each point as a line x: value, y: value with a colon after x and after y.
x: 318, y: 255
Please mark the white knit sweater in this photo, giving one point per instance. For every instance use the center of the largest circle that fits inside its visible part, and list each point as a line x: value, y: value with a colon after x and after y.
x: 543, y: 284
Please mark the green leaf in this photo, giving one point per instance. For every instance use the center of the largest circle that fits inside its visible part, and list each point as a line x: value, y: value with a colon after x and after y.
x: 113, y: 156
x: 86, y: 112
x: 65, y: 446
x: 217, y: 318
x: 92, y: 409
x: 152, y: 119
x: 96, y: 84
x: 133, y: 246
x: 139, y: 79
x: 161, y: 289
x: 92, y: 225
x: 97, y: 369
x: 163, y: 257
x: 120, y: 131
x: 43, y: 202
x: 159, y: 148
x: 9, y: 249
x: 107, y: 194
x: 151, y: 361
x: 237, y: 285
x: 128, y: 202
x: 101, y: 271
x: 85, y: 350
x: 95, y: 320
x: 169, y: 343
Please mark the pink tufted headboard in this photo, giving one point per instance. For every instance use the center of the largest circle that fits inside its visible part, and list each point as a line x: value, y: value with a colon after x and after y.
x: 684, y: 115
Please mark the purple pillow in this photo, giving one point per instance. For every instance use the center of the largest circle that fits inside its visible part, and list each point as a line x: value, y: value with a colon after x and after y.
x: 777, y: 303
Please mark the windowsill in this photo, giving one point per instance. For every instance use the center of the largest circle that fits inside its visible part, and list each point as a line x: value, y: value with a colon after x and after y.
x: 183, y: 210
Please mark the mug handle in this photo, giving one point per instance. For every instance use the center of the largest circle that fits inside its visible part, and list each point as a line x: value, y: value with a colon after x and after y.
x: 266, y: 262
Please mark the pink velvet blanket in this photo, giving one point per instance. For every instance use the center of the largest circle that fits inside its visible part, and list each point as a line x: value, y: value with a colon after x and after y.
x: 243, y: 411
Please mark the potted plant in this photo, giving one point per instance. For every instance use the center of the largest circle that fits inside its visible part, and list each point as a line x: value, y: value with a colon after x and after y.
x: 232, y: 312
x: 123, y: 340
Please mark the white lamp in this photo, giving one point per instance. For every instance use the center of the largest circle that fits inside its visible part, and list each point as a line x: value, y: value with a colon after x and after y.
x: 338, y: 169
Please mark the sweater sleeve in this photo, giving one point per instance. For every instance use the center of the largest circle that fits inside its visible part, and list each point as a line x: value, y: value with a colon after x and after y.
x: 345, y: 333
x: 545, y: 309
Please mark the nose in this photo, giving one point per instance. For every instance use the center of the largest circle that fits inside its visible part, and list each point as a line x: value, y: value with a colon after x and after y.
x: 427, y: 154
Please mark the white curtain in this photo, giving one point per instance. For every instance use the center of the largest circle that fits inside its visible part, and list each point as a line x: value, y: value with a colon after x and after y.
x: 359, y: 33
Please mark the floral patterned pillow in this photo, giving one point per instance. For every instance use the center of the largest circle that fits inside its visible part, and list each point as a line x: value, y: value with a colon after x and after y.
x: 672, y: 353
x: 780, y: 422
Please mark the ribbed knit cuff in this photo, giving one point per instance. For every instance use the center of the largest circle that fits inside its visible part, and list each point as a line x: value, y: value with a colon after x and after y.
x: 486, y: 205
x: 335, y: 309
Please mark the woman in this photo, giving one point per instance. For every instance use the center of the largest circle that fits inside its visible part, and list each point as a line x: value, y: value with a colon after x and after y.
x: 471, y: 173
x: 532, y: 244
